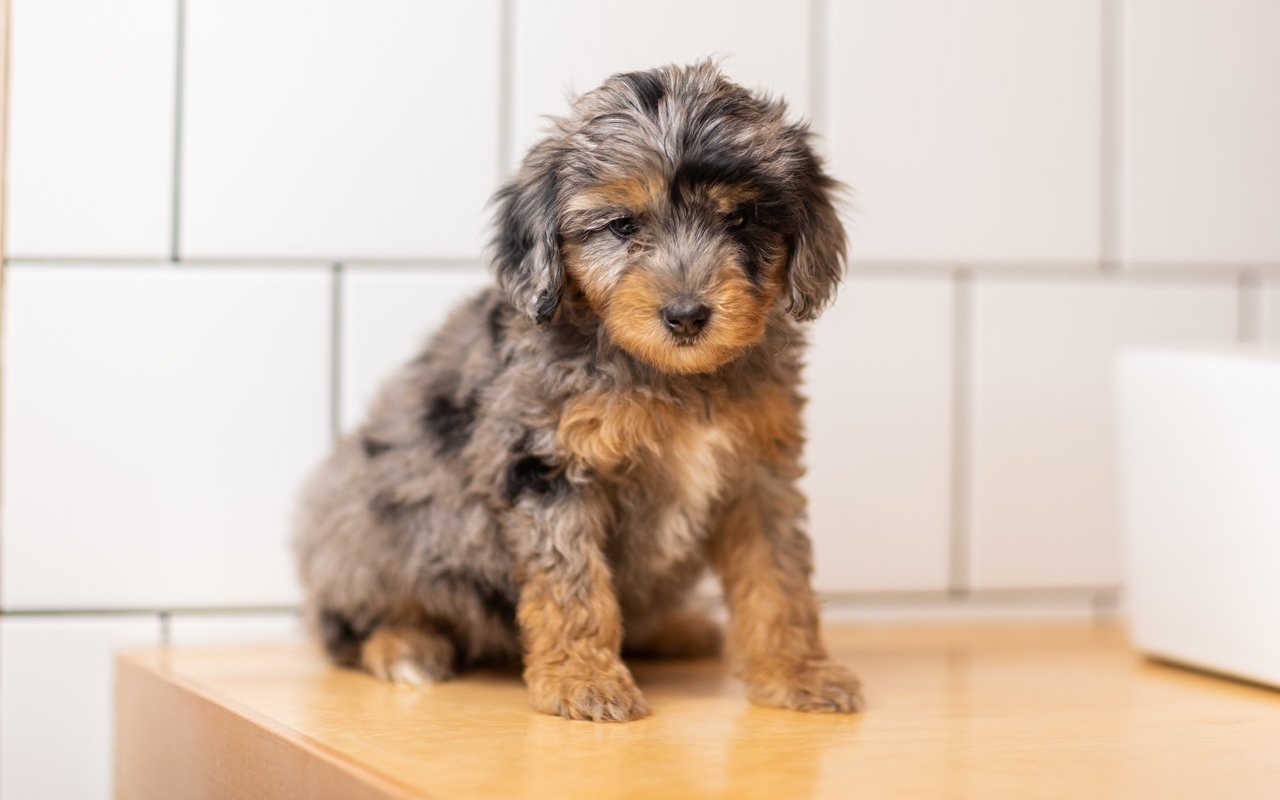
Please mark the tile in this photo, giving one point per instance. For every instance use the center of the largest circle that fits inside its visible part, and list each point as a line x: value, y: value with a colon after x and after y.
x: 565, y: 47
x: 967, y: 130
x: 1271, y: 312
x: 57, y: 706
x: 157, y: 424
x: 1201, y: 170
x: 387, y: 316
x: 879, y: 425
x: 91, y: 121
x: 342, y: 129
x: 203, y: 630
x: 1043, y: 475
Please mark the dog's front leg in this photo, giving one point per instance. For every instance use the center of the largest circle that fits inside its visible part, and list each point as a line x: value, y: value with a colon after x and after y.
x: 764, y: 560
x: 568, y: 615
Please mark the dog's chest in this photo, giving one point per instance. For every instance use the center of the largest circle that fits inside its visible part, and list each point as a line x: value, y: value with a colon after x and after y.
x: 668, y: 467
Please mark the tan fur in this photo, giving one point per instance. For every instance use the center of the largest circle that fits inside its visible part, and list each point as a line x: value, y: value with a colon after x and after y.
x: 774, y: 622
x: 572, y: 633
x: 406, y: 654
x: 630, y: 308
x: 635, y: 192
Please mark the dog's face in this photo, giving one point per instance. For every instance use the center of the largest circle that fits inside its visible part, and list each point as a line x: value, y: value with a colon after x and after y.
x: 682, y: 207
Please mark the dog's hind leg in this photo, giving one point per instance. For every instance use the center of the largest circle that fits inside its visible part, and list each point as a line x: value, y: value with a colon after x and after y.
x: 411, y: 654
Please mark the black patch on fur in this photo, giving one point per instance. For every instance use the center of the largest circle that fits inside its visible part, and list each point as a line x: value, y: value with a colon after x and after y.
x: 648, y: 89
x: 534, y: 475
x: 342, y: 638
x: 730, y: 169
x: 450, y: 422
x: 758, y: 245
x: 546, y: 308
x: 526, y: 221
x: 713, y: 167
x: 373, y: 448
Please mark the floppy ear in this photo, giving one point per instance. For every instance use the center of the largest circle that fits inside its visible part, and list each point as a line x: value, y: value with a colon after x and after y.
x: 526, y: 241
x: 818, y: 245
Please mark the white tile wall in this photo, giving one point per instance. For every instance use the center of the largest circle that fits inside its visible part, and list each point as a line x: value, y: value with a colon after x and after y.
x: 157, y: 422
x: 1043, y: 472
x: 968, y: 130
x: 57, y: 705
x: 90, y: 157
x: 570, y: 46
x: 216, y: 630
x: 1200, y: 124
x: 387, y: 316
x: 1271, y: 312
x: 341, y: 128
x: 879, y: 453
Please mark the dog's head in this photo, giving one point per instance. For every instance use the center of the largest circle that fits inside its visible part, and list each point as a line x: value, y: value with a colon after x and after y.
x: 683, y: 208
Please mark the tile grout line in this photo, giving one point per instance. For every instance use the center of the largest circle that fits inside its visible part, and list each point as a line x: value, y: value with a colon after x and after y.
x: 961, y: 385
x: 335, y: 351
x: 1109, y: 94
x: 180, y: 61
x: 506, y: 85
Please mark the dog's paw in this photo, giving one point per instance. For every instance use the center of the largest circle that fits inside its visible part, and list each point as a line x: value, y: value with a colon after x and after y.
x: 608, y: 695
x: 814, y: 686
x: 408, y: 655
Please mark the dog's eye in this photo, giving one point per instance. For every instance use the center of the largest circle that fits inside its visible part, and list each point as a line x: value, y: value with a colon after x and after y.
x: 623, y: 227
x: 738, y: 218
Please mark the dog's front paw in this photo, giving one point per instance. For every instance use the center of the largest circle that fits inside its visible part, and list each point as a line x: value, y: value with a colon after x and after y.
x: 816, y: 686
x: 605, y: 695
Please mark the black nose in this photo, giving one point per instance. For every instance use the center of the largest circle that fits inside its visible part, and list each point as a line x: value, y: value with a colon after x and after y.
x: 686, y: 318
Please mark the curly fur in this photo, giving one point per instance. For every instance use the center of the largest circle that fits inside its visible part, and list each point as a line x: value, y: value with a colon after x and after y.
x: 552, y: 475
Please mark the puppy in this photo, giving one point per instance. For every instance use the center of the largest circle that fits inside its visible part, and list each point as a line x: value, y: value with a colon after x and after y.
x: 552, y: 475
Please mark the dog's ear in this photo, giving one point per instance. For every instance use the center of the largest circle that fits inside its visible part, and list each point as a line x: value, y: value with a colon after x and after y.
x: 817, y: 259
x: 525, y: 249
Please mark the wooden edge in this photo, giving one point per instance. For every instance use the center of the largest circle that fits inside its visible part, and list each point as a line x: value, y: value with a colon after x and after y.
x: 178, y: 740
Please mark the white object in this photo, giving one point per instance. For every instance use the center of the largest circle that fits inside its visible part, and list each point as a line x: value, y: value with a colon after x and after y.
x: 1200, y: 465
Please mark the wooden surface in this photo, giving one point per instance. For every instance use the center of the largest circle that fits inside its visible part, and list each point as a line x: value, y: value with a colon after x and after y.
x: 1055, y: 710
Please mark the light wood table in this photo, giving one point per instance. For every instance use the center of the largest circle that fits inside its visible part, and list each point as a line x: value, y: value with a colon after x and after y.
x: 1054, y: 710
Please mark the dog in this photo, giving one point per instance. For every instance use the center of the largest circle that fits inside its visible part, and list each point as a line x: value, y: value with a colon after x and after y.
x: 553, y: 474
